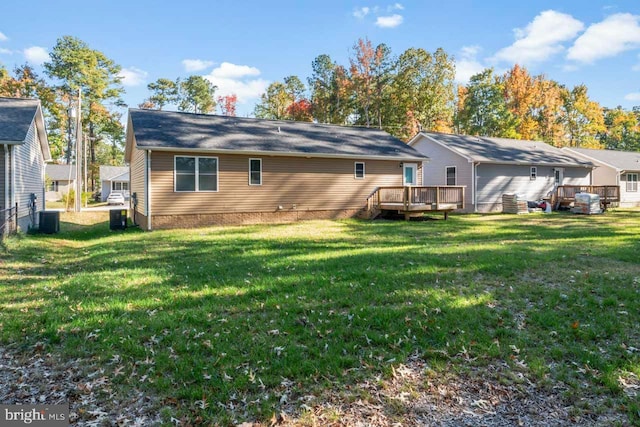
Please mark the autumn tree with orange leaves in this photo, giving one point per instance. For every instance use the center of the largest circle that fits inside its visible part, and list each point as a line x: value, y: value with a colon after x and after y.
x: 227, y: 104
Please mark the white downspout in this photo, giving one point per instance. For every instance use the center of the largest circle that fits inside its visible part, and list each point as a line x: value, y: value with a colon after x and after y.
x: 475, y: 187
x: 7, y: 171
x: 147, y: 180
x: 12, y: 171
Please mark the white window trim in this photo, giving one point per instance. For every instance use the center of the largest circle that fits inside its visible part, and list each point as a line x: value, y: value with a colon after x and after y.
x: 415, y: 173
x: 533, y: 173
x: 250, y: 160
x: 355, y: 170
x: 455, y: 175
x: 197, y: 175
x: 634, y: 183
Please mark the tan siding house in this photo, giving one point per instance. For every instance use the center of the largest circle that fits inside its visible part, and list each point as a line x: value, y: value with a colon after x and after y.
x: 25, y: 149
x: 491, y: 167
x: 228, y: 170
x: 615, y: 167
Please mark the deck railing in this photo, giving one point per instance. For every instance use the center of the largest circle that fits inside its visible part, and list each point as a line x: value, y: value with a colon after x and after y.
x: 434, y: 198
x: 608, y: 193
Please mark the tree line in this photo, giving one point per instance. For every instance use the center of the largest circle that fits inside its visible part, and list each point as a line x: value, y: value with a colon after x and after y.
x: 417, y: 91
x: 75, y: 70
x: 402, y: 94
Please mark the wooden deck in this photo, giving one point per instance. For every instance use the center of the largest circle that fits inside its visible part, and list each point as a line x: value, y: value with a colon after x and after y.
x: 566, y: 194
x: 414, y: 201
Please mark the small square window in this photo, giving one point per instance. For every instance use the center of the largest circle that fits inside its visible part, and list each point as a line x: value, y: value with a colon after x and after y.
x: 359, y: 170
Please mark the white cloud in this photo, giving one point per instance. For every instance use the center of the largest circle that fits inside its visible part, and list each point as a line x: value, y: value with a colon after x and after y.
x: 191, y: 65
x: 610, y: 37
x: 389, y: 21
x: 541, y: 38
x: 4, y: 51
x: 36, y: 54
x: 133, y: 76
x: 361, y: 12
x: 634, y: 96
x: 227, y: 70
x: 468, y: 65
x: 396, y: 6
x: 3, y: 38
x: 239, y: 80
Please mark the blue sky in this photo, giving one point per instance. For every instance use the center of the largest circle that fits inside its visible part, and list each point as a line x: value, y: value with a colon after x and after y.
x: 242, y: 46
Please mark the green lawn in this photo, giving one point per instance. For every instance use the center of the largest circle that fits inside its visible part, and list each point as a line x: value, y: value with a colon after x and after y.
x: 231, y: 324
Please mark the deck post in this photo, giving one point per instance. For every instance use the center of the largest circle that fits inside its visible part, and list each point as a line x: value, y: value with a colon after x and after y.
x: 438, y: 199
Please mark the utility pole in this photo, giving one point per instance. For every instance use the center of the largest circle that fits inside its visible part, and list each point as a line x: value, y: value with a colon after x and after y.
x: 86, y: 184
x: 79, y: 154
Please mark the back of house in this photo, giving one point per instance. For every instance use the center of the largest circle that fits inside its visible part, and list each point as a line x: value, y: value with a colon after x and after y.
x: 491, y: 167
x: 614, y: 167
x: 192, y: 169
x: 24, y: 149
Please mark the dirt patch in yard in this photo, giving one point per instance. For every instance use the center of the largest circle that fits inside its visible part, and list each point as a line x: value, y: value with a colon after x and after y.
x: 41, y: 378
x: 493, y: 395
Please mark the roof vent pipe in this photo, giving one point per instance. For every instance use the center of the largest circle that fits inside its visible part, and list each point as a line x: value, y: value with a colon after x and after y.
x: 278, y: 129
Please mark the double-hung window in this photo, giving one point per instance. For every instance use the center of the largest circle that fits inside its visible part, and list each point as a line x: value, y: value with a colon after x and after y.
x: 359, y: 170
x: 632, y: 182
x: 196, y: 173
x: 451, y: 175
x: 533, y: 173
x: 255, y: 171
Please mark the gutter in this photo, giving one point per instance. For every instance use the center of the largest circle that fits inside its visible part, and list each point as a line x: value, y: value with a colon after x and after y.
x: 290, y: 154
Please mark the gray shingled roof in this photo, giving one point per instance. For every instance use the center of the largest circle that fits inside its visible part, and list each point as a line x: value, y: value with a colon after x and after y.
x: 108, y: 173
x: 16, y: 115
x: 621, y: 160
x: 507, y: 151
x: 60, y: 172
x: 185, y: 131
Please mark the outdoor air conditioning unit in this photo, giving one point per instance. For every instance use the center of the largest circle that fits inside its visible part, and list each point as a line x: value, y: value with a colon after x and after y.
x: 49, y: 222
x: 117, y: 219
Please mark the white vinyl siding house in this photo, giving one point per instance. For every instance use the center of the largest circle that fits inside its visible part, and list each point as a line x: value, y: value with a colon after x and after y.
x: 615, y: 167
x: 25, y: 149
x: 491, y: 167
x: 60, y: 180
x: 114, y: 179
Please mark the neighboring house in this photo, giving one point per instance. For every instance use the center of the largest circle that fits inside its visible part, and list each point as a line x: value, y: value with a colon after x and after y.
x: 491, y: 167
x: 24, y: 149
x: 114, y: 179
x: 191, y: 169
x: 60, y: 179
x: 615, y: 168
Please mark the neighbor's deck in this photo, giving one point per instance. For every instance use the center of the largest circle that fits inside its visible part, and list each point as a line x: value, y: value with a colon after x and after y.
x: 566, y: 194
x: 413, y: 201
